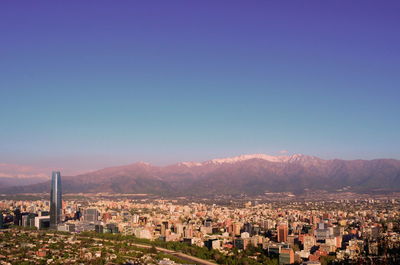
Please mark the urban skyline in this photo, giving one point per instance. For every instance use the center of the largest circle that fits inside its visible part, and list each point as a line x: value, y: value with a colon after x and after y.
x: 257, y: 230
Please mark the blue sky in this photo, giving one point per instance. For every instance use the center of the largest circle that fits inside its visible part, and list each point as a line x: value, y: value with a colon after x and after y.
x: 89, y: 84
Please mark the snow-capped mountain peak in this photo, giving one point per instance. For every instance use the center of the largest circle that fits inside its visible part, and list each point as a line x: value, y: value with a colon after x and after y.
x: 190, y: 164
x: 266, y: 157
x: 296, y: 158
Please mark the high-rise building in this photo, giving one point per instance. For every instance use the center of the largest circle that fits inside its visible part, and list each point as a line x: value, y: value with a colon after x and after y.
x: 236, y: 229
x: 91, y: 215
x: 17, y: 217
x: 55, y: 199
x: 163, y: 228
x: 1, y: 220
x: 286, y: 256
x: 42, y: 222
x: 248, y: 227
x: 308, y: 242
x: 282, y: 233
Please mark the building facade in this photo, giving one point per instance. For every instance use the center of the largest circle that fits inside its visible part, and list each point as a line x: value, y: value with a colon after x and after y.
x: 282, y: 233
x: 55, y: 199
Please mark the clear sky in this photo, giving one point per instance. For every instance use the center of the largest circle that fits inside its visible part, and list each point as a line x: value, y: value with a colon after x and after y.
x: 88, y: 84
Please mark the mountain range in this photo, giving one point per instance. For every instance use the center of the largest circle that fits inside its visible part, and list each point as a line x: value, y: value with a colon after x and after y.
x: 250, y: 174
x: 17, y: 175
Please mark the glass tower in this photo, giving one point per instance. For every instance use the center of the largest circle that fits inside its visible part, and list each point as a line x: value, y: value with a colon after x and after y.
x: 55, y: 199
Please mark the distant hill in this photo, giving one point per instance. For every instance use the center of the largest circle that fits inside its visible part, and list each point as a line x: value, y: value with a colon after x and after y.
x: 251, y: 174
x: 6, y: 182
x: 19, y: 175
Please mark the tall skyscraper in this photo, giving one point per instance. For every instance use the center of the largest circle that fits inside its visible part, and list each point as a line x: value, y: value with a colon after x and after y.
x: 55, y: 199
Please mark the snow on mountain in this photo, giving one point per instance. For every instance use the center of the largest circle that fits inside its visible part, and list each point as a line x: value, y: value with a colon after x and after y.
x: 22, y: 171
x: 251, y: 174
x: 190, y: 164
x: 270, y: 158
